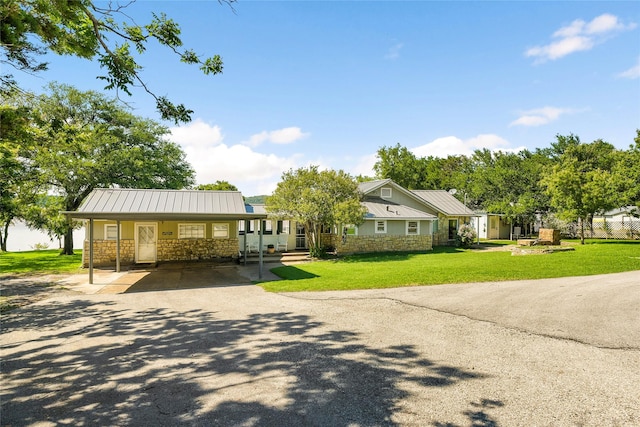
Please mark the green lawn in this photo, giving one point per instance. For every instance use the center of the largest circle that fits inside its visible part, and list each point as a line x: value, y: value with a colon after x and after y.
x: 39, y: 262
x: 451, y: 265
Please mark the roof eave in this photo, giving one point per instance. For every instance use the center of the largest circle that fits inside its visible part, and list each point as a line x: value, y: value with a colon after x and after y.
x: 146, y: 216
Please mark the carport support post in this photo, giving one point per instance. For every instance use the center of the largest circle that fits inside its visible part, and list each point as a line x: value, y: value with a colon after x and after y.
x: 244, y: 241
x: 91, y: 251
x: 118, y: 246
x: 260, y: 252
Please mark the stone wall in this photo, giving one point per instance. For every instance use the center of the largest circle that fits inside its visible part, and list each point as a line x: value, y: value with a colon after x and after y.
x: 197, y: 249
x: 104, y: 251
x: 383, y: 243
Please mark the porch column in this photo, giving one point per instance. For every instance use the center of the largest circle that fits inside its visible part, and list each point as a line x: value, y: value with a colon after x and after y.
x: 91, y: 251
x: 260, y: 251
x: 244, y: 240
x: 118, y: 246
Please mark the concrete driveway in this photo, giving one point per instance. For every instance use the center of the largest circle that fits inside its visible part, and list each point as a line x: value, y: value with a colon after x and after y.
x: 559, y: 352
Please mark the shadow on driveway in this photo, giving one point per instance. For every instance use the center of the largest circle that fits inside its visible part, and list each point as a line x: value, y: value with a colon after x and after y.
x: 103, y: 364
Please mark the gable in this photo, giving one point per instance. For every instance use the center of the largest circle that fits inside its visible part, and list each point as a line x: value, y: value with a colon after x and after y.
x: 388, y: 190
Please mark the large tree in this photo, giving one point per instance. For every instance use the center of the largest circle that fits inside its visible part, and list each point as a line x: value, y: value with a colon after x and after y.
x: 19, y: 185
x: 87, y: 141
x: 93, y: 30
x: 317, y: 198
x: 583, y: 183
x: 508, y: 183
x: 627, y: 170
x: 399, y: 164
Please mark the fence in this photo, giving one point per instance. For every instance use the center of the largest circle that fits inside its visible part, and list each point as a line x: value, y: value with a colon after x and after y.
x: 629, y: 229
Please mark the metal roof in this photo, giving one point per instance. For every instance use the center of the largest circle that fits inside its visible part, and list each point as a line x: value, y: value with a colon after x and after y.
x: 368, y: 186
x: 125, y: 203
x: 378, y: 208
x: 444, y: 202
x: 256, y: 207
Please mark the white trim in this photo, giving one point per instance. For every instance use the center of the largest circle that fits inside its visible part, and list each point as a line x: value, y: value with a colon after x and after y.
x: 384, y: 190
x: 375, y: 226
x: 417, y: 233
x: 191, y: 224
x: 213, y: 230
x: 106, y: 235
x: 155, y: 233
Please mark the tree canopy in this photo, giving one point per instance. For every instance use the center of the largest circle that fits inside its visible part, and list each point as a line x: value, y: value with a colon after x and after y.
x: 101, y: 31
x: 317, y: 198
x: 79, y: 141
x: 583, y: 183
x: 217, y: 186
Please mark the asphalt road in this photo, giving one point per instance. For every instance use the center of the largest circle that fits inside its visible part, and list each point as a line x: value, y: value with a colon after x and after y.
x: 562, y: 352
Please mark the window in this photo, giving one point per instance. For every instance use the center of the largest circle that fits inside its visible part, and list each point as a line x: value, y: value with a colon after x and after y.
x: 381, y: 226
x: 283, y: 227
x: 413, y: 227
x: 110, y: 232
x: 241, y: 227
x: 220, y: 230
x: 190, y: 231
x: 326, y: 229
x: 385, y: 193
x: 350, y: 230
x: 268, y: 227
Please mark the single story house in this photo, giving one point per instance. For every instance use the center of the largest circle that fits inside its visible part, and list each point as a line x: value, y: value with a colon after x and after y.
x: 146, y: 226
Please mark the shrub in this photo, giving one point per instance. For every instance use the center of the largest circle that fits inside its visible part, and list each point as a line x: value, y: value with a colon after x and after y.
x: 465, y: 237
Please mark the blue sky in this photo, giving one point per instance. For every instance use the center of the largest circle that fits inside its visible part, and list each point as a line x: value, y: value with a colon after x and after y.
x: 329, y: 83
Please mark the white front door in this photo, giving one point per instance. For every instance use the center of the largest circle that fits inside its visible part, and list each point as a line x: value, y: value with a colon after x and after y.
x: 146, y: 242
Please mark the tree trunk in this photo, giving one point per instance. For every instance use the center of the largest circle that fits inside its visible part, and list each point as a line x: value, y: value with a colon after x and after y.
x: 581, y: 231
x: 68, y: 240
x: 3, y: 236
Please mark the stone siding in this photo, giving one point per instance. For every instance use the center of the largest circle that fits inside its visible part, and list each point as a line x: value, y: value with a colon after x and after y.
x: 197, y: 249
x: 104, y: 251
x: 364, y: 244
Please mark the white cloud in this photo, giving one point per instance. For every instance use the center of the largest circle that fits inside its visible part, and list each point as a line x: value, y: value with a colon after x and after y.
x: 252, y: 172
x: 197, y: 133
x: 364, y: 166
x: 280, y: 136
x: 540, y: 116
x: 631, y: 73
x: 452, y: 145
x: 394, y: 51
x: 578, y: 36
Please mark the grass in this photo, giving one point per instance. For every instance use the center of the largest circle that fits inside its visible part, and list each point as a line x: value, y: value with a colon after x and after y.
x: 451, y: 265
x: 39, y: 262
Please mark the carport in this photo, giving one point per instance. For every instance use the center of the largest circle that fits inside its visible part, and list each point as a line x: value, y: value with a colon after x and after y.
x: 141, y: 206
